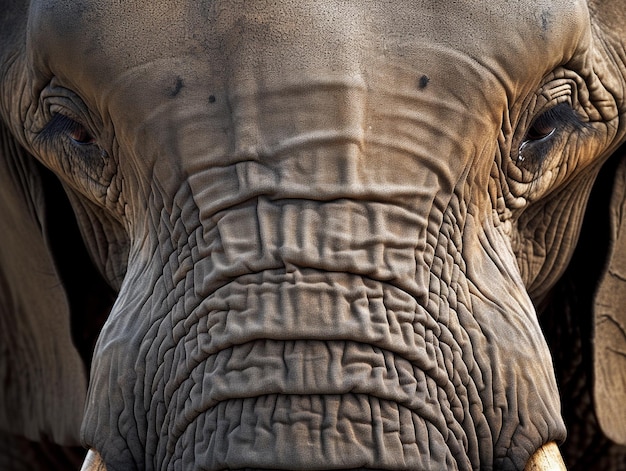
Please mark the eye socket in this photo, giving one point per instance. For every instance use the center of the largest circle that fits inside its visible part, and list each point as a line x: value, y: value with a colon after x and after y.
x: 548, y: 131
x: 546, y: 124
x: 76, y: 132
x: 80, y: 135
x: 542, y: 128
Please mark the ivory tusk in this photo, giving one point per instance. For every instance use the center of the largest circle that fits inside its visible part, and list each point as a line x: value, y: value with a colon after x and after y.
x: 93, y: 462
x: 546, y: 458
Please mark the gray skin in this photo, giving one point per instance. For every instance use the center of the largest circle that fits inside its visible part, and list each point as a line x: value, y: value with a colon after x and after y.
x: 326, y: 227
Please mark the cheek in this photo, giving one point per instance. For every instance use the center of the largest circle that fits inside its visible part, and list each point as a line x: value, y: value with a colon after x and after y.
x: 546, y: 234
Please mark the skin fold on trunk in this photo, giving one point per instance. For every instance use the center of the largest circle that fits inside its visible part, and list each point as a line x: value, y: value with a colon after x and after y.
x: 324, y: 336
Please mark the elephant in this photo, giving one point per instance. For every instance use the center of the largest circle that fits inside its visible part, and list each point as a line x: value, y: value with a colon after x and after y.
x: 312, y: 235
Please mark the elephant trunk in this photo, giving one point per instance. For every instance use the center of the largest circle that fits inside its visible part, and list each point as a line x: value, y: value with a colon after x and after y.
x: 340, y: 326
x: 293, y: 302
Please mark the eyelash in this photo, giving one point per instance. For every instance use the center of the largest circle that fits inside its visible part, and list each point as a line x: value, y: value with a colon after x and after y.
x: 73, y: 130
x: 559, y: 116
x: 544, y: 131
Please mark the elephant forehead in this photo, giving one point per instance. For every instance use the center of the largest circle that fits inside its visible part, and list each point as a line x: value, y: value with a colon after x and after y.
x: 343, y: 134
x: 103, y: 38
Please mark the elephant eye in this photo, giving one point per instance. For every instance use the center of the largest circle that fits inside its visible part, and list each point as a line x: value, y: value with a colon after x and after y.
x: 80, y: 135
x: 65, y: 125
x: 549, y: 121
x: 540, y: 129
x: 546, y: 131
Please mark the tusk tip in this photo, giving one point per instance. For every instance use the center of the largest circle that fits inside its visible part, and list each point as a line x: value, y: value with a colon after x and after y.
x: 546, y: 458
x: 93, y: 462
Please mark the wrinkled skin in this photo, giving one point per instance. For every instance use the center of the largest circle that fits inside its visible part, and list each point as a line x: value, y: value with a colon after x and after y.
x: 325, y: 228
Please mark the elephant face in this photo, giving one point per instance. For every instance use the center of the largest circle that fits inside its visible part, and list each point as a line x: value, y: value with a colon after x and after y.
x: 326, y: 225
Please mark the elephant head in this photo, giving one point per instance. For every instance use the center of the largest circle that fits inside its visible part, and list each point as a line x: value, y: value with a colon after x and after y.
x: 325, y: 225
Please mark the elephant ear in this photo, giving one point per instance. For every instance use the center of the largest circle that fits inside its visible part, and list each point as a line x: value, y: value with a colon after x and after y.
x: 609, y: 343
x: 43, y: 378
